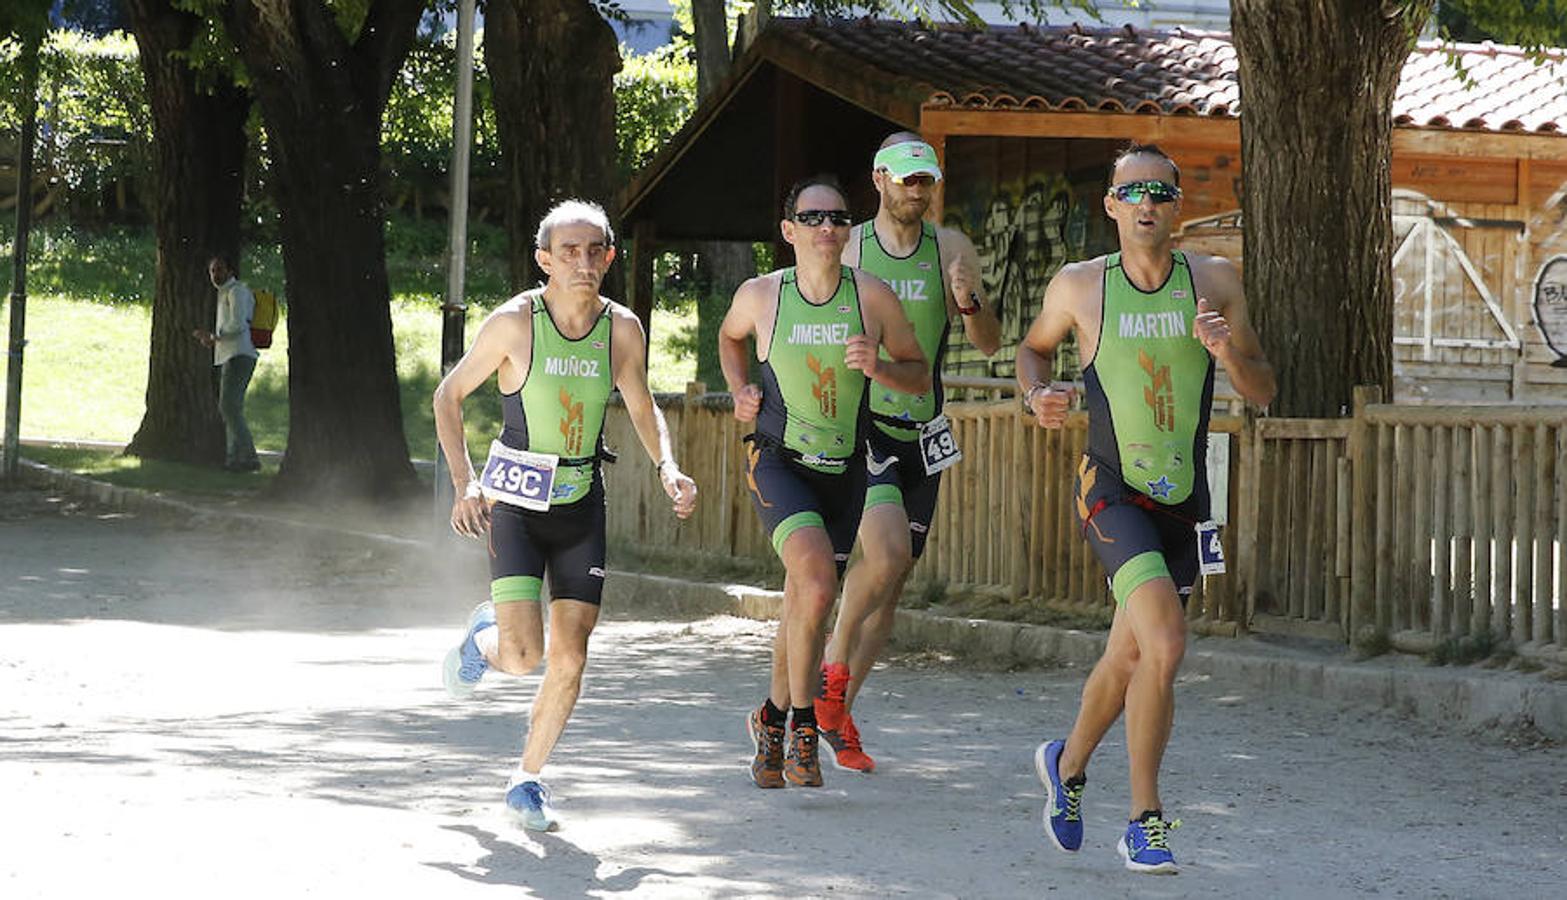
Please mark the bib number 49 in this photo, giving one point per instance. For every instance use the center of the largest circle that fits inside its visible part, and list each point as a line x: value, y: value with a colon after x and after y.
x: 937, y: 446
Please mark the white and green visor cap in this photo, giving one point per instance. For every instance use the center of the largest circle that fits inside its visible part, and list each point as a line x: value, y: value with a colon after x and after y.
x: 909, y: 158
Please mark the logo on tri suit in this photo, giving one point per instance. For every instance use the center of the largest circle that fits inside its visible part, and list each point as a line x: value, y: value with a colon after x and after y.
x: 571, y: 423
x: 825, y: 390
x: 1159, y: 393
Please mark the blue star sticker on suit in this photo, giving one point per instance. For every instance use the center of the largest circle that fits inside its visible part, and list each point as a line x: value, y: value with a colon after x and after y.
x: 1160, y: 490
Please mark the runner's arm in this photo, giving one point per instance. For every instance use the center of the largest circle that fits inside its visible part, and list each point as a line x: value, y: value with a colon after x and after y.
x: 965, y: 289
x: 733, y: 355
x: 629, y: 360
x: 499, y: 333
x: 1047, y: 401
x: 887, y: 325
x: 1225, y: 329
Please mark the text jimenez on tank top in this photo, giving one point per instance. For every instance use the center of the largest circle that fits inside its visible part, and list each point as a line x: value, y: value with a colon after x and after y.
x: 811, y: 400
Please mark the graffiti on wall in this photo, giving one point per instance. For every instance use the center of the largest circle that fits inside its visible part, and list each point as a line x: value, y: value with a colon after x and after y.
x: 1550, y: 307
x: 1024, y: 231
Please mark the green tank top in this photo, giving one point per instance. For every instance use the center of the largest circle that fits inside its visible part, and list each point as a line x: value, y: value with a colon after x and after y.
x: 918, y: 281
x: 560, y: 407
x: 811, y: 401
x: 1150, y: 386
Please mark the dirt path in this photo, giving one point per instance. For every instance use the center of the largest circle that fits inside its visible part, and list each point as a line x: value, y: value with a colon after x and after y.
x: 162, y: 733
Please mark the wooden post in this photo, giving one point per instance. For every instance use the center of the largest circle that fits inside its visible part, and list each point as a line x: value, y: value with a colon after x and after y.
x: 1523, y: 533
x: 1388, y: 514
x: 1418, y: 599
x: 1439, y: 609
x: 1502, y: 471
x: 1561, y: 538
x: 1463, y: 562
x: 1480, y: 510
x: 1247, y: 518
x: 1544, y: 509
x: 643, y: 250
x: 1362, y: 453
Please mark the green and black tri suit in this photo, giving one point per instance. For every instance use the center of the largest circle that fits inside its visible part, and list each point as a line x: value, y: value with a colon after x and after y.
x: 896, y: 467
x: 1142, y: 485
x: 806, y: 459
x: 559, y: 409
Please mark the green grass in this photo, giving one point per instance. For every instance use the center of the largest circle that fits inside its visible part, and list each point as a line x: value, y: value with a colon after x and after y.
x: 153, y: 475
x: 89, y: 320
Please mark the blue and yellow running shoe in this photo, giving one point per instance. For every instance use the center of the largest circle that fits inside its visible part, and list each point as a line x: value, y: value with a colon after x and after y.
x: 1146, y: 845
x: 1063, y: 818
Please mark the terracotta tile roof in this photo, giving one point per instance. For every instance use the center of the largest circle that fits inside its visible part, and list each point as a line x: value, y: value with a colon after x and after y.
x: 1171, y: 73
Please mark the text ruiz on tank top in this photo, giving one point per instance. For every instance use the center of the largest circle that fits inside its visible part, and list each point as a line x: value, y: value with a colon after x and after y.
x: 1153, y: 325
x: 571, y: 365
x: 910, y: 289
x: 828, y: 333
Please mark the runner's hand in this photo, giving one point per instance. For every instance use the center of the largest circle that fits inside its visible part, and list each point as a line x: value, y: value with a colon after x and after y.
x: 1211, y: 328
x: 1051, y: 405
x: 962, y: 279
x: 748, y: 402
x: 860, y: 354
x: 680, y: 488
x: 471, y: 513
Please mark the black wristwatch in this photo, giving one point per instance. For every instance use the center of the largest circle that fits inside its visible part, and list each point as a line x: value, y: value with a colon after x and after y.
x: 973, y: 298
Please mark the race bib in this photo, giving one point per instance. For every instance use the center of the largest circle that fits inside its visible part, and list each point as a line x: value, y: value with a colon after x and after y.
x: 937, y: 445
x: 1210, y: 553
x: 519, y: 477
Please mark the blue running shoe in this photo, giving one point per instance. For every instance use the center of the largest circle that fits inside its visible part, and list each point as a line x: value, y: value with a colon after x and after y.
x: 1146, y: 846
x: 464, y: 664
x: 529, y: 803
x: 1064, y: 803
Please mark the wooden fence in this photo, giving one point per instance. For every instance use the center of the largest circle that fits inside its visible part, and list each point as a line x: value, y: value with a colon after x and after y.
x: 1417, y: 523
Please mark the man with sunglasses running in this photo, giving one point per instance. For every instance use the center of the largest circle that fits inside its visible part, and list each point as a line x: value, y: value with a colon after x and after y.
x: 1150, y: 321
x: 818, y: 327
x: 935, y: 273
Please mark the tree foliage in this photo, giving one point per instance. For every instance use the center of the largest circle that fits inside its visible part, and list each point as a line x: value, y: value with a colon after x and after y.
x: 94, y: 129
x: 654, y: 95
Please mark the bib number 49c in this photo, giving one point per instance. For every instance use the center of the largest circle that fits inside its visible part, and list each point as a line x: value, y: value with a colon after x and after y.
x: 519, y: 477
x: 937, y: 446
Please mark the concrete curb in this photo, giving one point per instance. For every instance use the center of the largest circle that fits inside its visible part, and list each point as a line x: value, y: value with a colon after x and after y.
x: 1467, y: 697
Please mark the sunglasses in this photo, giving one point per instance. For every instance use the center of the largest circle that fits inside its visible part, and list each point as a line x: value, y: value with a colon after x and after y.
x: 840, y: 218
x: 915, y: 179
x: 1135, y: 191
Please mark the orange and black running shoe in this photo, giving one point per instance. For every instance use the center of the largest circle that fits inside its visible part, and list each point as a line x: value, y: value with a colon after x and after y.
x: 801, y: 766
x: 767, y: 769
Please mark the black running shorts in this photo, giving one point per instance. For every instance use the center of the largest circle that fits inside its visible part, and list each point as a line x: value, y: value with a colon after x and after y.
x: 895, y: 473
x: 567, y: 543
x: 789, y: 496
x: 1135, y: 537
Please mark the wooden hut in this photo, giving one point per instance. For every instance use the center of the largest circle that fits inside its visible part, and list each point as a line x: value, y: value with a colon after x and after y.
x: 1028, y: 119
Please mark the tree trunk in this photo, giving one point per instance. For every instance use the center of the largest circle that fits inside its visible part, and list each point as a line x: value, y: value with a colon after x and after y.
x: 1317, y: 82
x: 198, y: 182
x: 322, y: 96
x: 721, y: 265
x: 552, y: 66
x: 751, y: 25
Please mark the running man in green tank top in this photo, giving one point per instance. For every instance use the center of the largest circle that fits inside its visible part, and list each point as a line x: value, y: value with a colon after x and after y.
x: 935, y: 273
x: 1151, y: 322
x: 557, y: 352
x: 818, y: 327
